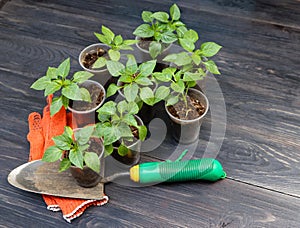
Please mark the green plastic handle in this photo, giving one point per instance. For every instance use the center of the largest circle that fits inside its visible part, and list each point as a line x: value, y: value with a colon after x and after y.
x: 200, y: 169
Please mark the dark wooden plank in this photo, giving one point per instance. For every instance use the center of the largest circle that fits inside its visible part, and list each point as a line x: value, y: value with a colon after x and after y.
x: 252, y: 86
x: 3, y: 2
x: 194, y: 204
x: 260, y: 84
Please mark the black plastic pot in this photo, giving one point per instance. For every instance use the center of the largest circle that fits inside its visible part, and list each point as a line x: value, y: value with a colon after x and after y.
x: 187, y: 131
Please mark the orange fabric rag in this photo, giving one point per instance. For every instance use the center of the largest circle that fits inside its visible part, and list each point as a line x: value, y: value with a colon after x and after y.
x: 41, y: 131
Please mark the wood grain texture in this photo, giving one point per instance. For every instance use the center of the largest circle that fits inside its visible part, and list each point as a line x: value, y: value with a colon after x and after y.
x: 260, y: 83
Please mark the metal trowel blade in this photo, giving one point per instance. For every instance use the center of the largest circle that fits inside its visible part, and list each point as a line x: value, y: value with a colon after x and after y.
x: 44, y: 178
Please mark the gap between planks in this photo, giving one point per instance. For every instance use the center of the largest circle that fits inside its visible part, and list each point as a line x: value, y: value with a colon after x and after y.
x: 262, y: 187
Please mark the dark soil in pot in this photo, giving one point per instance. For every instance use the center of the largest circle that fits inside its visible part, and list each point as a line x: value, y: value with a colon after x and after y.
x: 186, y: 121
x: 193, y: 110
x: 91, y: 57
x: 97, y: 95
x: 144, y: 43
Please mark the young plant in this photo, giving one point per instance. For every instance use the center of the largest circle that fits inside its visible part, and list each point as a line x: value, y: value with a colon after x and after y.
x: 76, y: 146
x: 163, y: 28
x: 180, y: 83
x: 56, y: 80
x: 115, y: 42
x: 190, y: 68
x: 135, y: 81
x: 197, y: 60
x: 116, y: 123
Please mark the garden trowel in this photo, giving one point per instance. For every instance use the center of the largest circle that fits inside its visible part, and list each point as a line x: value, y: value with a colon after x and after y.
x: 44, y: 178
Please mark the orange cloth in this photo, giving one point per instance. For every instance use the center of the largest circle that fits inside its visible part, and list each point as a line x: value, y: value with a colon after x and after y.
x: 41, y: 131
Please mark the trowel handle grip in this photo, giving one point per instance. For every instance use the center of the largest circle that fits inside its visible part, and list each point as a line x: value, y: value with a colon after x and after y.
x: 199, y: 169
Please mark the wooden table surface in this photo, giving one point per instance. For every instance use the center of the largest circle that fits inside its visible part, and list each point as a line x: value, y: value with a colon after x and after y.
x: 260, y: 84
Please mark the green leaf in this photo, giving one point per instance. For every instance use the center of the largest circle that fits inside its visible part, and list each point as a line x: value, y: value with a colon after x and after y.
x: 114, y: 55
x: 161, y: 93
x: 181, y: 31
x: 118, y: 40
x: 146, y: 16
x: 180, y: 59
x: 84, y: 147
x: 183, y: 59
x: 211, y: 67
x: 108, y: 33
x: 191, y: 84
x: 52, y: 73
x: 174, y: 12
x: 68, y: 132
x: 172, y: 100
x: 144, y: 81
x: 154, y: 49
x: 123, y: 150
x: 130, y: 42
x: 147, y: 95
x: 168, y: 37
x: 209, y: 49
x: 161, y: 16
x: 178, y: 86
x: 52, y: 87
x: 52, y: 154
x: 131, y: 65
x: 114, y: 68
x: 82, y: 135
x: 63, y: 142
x: 108, y: 150
x: 147, y: 68
x: 178, y: 75
x: 111, y: 135
x: 125, y: 131
x: 126, y: 78
x: 178, y: 24
x: 72, y: 92
x: 65, y: 101
x: 76, y: 158
x: 85, y: 95
x: 132, y: 108
x: 122, y: 106
x: 144, y: 30
x: 170, y: 58
x: 64, y: 68
x: 131, y: 91
x: 82, y: 76
x: 109, y: 108
x: 41, y: 83
x: 99, y: 63
x: 112, y: 89
x: 191, y: 35
x: 64, y: 165
x: 56, y: 105
x: 98, y: 130
x: 92, y: 161
x: 130, y: 120
x: 162, y: 77
x: 142, y: 132
x: 196, y: 58
x: 102, y: 38
x: 189, y: 77
x: 187, y: 44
